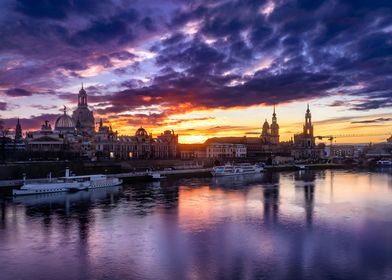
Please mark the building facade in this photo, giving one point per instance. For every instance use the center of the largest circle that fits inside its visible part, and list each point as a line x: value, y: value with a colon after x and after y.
x: 304, y: 146
x: 77, y: 135
x: 83, y: 117
x: 270, y: 134
x: 226, y: 150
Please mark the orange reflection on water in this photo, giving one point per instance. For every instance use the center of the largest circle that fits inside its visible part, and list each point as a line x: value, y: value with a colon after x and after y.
x: 202, y: 207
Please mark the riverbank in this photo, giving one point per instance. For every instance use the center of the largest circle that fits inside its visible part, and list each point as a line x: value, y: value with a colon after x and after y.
x: 172, y: 173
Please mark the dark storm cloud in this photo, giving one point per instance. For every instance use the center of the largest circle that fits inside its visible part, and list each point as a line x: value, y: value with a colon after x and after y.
x: 59, y: 9
x: 208, y: 53
x: 3, y: 106
x: 46, y: 37
x: 345, y: 42
x: 102, y: 31
x: 18, y: 92
x: 207, y: 92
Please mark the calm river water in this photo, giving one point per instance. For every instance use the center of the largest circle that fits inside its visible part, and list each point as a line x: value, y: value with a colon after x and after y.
x: 289, y: 225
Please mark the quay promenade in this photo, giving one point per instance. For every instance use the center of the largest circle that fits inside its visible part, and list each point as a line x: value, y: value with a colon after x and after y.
x: 144, y: 175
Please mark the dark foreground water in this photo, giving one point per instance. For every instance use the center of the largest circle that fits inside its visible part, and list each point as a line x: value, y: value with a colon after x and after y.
x: 304, y: 225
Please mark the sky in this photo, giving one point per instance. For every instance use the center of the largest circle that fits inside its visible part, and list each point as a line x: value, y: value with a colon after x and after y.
x: 203, y: 68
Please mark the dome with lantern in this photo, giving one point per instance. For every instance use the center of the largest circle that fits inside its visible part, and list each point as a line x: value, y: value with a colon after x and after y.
x: 141, y: 132
x: 64, y: 123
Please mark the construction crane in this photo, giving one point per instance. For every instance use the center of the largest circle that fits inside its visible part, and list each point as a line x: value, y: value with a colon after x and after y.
x: 330, y: 138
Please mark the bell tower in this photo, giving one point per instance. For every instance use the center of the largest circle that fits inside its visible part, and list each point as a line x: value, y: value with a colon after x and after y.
x: 83, y: 117
x: 18, y: 132
x: 82, y: 97
x: 308, y: 126
x: 274, y: 129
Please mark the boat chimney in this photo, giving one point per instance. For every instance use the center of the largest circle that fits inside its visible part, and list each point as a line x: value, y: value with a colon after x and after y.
x: 67, y: 172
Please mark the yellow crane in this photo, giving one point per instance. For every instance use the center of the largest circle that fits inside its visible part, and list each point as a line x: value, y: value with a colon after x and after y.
x: 330, y: 138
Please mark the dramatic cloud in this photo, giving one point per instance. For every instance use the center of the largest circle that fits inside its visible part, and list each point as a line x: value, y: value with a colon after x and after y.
x: 378, y: 120
x: 18, y: 92
x: 3, y: 106
x: 149, y: 60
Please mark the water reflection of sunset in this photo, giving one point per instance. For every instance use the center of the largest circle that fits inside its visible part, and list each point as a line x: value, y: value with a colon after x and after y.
x: 201, y: 227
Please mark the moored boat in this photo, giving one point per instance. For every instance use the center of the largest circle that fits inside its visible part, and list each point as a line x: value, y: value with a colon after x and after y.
x: 384, y: 163
x: 67, y: 184
x: 236, y: 169
x: 156, y: 175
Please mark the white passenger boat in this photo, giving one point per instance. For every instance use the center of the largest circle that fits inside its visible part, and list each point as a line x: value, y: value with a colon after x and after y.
x: 236, y: 169
x: 156, y: 175
x: 67, y: 184
x: 384, y: 163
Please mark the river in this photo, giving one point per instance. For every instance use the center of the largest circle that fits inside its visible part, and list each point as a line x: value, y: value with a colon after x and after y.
x: 287, y: 225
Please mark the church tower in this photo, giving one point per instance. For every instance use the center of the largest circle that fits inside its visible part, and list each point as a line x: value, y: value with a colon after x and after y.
x: 265, y: 133
x: 308, y: 126
x: 308, y: 129
x: 274, y: 129
x: 83, y: 117
x: 18, y: 132
x: 82, y: 97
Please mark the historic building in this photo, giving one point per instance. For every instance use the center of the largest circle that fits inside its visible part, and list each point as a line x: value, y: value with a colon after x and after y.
x: 226, y: 150
x: 45, y: 140
x: 77, y: 136
x: 166, y: 145
x: 192, y: 151
x: 64, y: 124
x: 83, y: 117
x: 108, y: 144
x: 270, y: 134
x: 104, y: 139
x: 140, y: 146
x: 264, y: 146
x: 306, y: 138
x: 304, y: 143
x: 18, y: 132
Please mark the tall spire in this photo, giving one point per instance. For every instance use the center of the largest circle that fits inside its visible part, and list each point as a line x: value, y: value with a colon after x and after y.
x: 82, y: 97
x: 18, y: 131
x: 308, y: 127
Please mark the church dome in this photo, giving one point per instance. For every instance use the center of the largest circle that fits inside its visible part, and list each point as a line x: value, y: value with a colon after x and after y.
x: 141, y: 132
x: 64, y: 122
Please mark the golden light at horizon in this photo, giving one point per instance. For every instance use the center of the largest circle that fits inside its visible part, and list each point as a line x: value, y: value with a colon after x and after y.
x: 198, y: 125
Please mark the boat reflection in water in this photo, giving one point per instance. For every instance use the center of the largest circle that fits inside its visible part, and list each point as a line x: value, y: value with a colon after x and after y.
x: 267, y: 179
x: 288, y: 225
x: 67, y: 199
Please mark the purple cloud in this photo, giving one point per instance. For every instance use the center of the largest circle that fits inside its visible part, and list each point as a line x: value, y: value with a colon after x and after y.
x: 14, y: 92
x: 208, y: 54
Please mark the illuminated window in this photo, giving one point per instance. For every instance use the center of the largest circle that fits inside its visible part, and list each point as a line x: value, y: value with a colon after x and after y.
x: 130, y: 154
x: 111, y: 154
